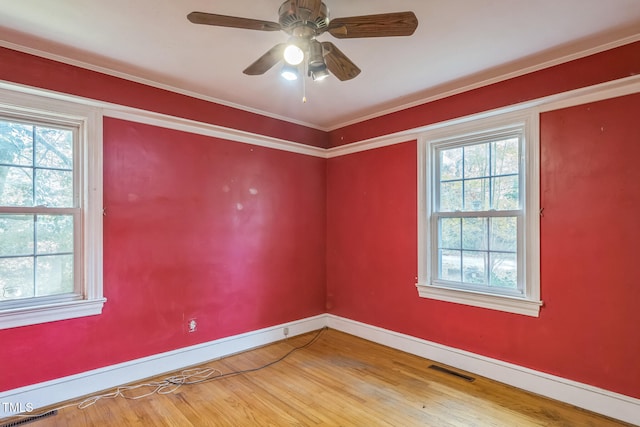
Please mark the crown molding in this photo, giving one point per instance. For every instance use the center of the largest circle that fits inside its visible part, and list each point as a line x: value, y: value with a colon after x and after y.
x: 443, y: 91
x: 148, y: 82
x: 607, y: 90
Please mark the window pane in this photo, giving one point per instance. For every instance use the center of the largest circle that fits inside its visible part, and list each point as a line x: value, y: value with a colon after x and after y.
x: 16, y: 144
x: 16, y: 186
x: 54, y: 188
x: 476, y: 161
x: 504, y: 234
x: 54, y: 275
x: 476, y: 195
x: 16, y: 278
x: 504, y: 273
x: 54, y: 148
x: 449, y: 262
x: 474, y: 267
x: 451, y: 196
x: 505, y: 157
x: 16, y: 235
x: 450, y: 233
x: 506, y: 193
x: 474, y: 233
x: 55, y: 234
x: 451, y: 164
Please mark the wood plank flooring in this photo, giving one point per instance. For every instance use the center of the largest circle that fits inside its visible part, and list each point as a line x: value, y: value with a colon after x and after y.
x: 338, y: 380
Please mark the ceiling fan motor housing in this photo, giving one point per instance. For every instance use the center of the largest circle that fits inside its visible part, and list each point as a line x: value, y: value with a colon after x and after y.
x: 304, y: 18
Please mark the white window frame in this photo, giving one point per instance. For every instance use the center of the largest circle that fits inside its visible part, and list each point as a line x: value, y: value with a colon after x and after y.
x: 529, y: 302
x: 87, y: 300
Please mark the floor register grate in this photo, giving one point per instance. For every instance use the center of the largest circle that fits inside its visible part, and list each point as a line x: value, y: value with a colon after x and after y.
x: 30, y: 419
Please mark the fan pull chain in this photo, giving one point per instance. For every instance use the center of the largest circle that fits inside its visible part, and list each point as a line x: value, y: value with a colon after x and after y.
x: 304, y: 84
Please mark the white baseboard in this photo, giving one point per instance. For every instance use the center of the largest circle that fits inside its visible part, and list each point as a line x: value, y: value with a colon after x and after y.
x: 59, y: 390
x: 594, y: 399
x: 48, y: 393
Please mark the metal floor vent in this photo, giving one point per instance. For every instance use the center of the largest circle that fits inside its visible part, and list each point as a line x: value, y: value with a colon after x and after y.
x: 26, y: 420
x: 450, y: 372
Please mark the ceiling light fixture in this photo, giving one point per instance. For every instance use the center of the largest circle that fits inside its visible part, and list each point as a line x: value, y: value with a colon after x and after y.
x: 289, y: 72
x: 319, y: 74
x: 293, y: 55
x: 317, y: 66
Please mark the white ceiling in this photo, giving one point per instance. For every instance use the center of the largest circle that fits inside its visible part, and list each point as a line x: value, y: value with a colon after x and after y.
x: 457, y: 43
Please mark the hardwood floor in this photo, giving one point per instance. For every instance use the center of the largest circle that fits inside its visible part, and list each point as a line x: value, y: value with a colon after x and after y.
x: 338, y: 380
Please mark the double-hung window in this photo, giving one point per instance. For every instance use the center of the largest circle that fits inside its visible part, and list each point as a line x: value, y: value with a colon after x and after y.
x: 50, y: 202
x: 479, y: 215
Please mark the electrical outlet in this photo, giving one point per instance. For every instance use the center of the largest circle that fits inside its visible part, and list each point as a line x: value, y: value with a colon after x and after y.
x: 192, y: 325
x: 285, y: 331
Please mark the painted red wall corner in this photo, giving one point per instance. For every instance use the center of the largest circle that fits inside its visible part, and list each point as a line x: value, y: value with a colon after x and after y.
x: 587, y: 331
x: 229, y: 233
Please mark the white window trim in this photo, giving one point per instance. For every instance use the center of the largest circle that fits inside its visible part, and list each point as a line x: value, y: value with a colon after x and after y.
x: 89, y: 174
x: 530, y: 303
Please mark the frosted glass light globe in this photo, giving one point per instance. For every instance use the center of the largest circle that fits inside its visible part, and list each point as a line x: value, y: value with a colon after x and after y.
x: 293, y: 54
x: 289, y: 73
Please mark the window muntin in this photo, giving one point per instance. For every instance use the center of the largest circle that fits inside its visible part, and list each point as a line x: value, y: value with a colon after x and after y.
x: 478, y: 206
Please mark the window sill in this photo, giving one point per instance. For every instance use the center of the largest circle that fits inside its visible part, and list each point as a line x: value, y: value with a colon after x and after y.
x: 50, y: 313
x: 495, y: 302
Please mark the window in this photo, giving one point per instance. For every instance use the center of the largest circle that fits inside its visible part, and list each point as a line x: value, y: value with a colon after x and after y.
x: 50, y: 210
x: 479, y: 221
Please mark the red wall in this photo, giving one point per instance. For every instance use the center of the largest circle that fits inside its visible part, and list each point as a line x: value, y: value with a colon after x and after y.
x: 237, y: 236
x: 195, y: 227
x: 588, y: 329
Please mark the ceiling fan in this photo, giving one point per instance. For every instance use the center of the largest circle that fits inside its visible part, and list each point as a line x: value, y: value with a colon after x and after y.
x: 304, y: 21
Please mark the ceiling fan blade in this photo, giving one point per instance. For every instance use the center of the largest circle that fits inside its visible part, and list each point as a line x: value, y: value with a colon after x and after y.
x: 338, y: 63
x: 383, y: 25
x: 266, y: 61
x: 232, y: 21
